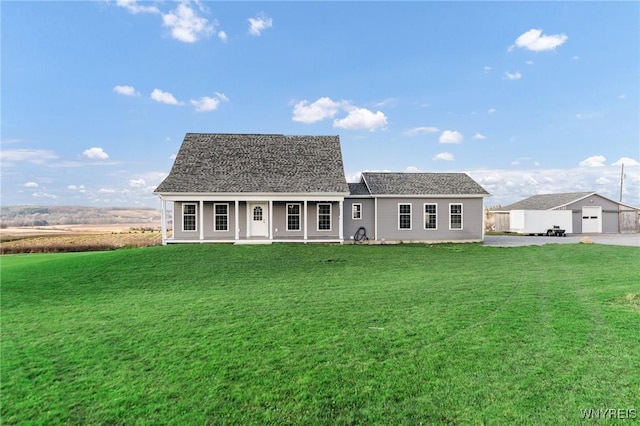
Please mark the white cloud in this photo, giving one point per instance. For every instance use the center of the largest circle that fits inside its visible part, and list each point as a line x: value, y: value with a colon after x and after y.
x: 126, y: 90
x: 421, y: 131
x: 357, y: 118
x: 221, y: 96
x: 479, y: 136
x: 444, y: 156
x: 133, y: 7
x: 487, y: 69
x: 31, y: 185
x: 44, y: 195
x: 137, y: 183
x: 515, y: 163
x: 534, y: 40
x: 627, y: 161
x: 575, y: 58
x: 79, y: 188
x: 362, y: 118
x: 106, y: 191
x: 594, y: 161
x: 319, y: 110
x: 35, y: 156
x: 451, y: 136
x: 95, y: 153
x: 529, y: 62
x: 207, y: 103
x: 491, y: 111
x: 164, y: 97
x: 508, y: 186
x: 259, y: 24
x: 515, y: 76
x: 622, y: 96
x: 186, y: 25
x: 222, y: 36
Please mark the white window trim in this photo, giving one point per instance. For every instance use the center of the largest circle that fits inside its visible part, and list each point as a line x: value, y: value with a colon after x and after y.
x: 299, y: 216
x: 195, y: 217
x: 424, y: 218
x: 410, y: 216
x: 318, y: 217
x: 461, y: 216
x: 353, y: 211
x: 216, y: 215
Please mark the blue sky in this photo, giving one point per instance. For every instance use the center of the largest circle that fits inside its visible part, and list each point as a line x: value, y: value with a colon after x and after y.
x: 525, y: 97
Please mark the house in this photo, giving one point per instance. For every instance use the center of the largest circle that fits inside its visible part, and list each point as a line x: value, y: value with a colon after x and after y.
x: 261, y: 188
x: 590, y: 212
x: 419, y: 207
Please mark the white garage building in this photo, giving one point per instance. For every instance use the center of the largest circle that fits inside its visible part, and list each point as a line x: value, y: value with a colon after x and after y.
x: 590, y: 212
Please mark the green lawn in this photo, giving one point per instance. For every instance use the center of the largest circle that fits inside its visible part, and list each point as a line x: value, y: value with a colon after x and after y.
x: 319, y: 334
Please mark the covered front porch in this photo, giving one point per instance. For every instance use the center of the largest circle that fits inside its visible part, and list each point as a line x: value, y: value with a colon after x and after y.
x: 252, y: 219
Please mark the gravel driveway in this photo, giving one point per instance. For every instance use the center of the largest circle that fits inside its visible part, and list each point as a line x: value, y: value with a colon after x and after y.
x: 525, y: 240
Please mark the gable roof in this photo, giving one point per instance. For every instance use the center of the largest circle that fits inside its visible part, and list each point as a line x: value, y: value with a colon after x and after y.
x: 422, y: 184
x: 254, y: 163
x: 358, y: 189
x: 546, y: 201
x: 553, y: 201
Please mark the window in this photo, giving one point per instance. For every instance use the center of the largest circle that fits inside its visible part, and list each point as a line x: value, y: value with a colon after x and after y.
x: 430, y: 216
x: 221, y: 217
x: 455, y: 216
x: 188, y: 217
x: 404, y: 216
x: 257, y: 214
x: 293, y: 217
x: 356, y: 211
x: 324, y: 217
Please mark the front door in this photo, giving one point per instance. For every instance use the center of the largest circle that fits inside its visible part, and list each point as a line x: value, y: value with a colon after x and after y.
x: 258, y: 220
x: 592, y: 219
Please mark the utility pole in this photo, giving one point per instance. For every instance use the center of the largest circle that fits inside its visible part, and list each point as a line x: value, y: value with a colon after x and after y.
x: 621, y: 181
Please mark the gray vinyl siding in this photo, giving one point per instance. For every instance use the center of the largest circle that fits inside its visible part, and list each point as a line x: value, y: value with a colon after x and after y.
x: 367, y: 221
x: 280, y: 220
x: 209, y: 226
x: 472, y: 218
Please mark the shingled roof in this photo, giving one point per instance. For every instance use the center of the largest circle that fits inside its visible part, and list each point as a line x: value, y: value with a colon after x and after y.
x: 422, y: 184
x: 254, y: 163
x: 546, y: 201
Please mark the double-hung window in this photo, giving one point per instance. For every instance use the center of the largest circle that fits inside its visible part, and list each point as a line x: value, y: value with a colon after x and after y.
x: 189, y: 217
x: 324, y: 217
x: 293, y: 217
x: 221, y: 217
x: 430, y: 216
x: 356, y: 211
x: 455, y: 216
x: 404, y: 216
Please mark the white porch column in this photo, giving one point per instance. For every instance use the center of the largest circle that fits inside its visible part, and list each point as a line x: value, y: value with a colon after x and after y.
x: 271, y: 219
x: 237, y: 218
x: 304, y: 209
x: 163, y: 218
x: 340, y: 223
x: 375, y: 218
x: 201, y: 218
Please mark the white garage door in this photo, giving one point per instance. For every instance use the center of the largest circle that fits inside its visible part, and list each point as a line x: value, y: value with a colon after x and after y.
x: 592, y: 219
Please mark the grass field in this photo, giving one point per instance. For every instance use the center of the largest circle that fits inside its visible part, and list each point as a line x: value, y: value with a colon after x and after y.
x: 319, y: 334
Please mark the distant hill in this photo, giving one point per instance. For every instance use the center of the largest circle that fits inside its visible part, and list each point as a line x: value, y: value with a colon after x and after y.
x: 75, y: 215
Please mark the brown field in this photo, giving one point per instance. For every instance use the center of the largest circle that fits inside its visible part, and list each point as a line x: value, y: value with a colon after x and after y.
x: 73, y: 238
